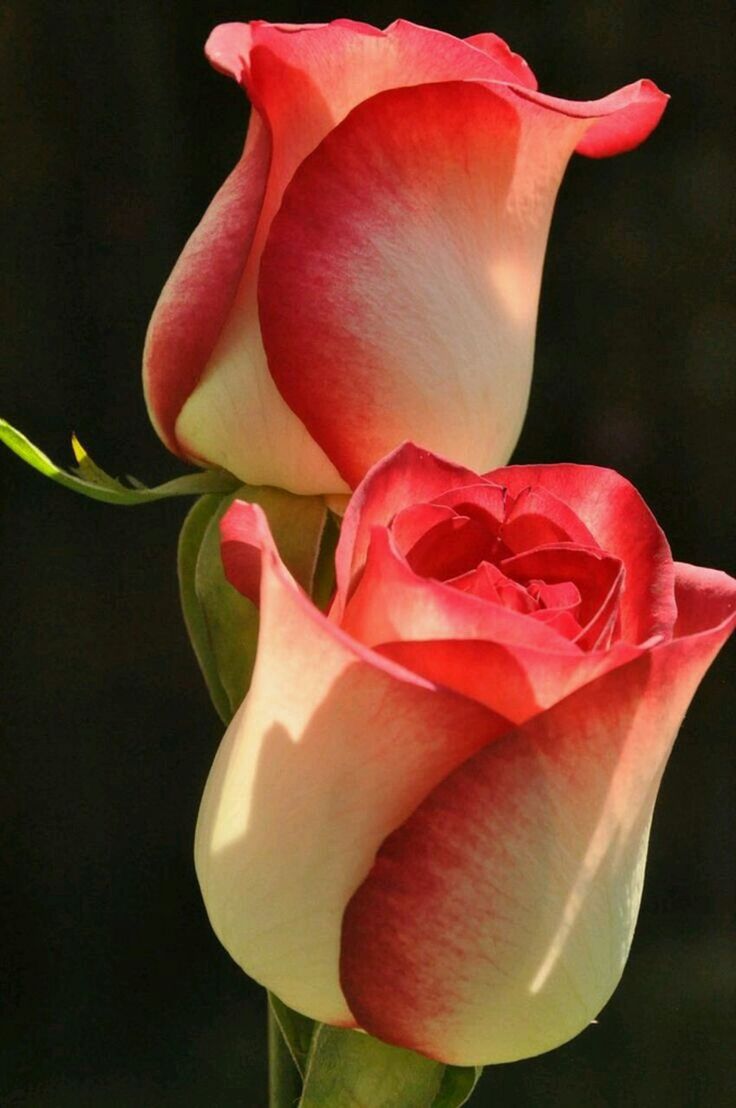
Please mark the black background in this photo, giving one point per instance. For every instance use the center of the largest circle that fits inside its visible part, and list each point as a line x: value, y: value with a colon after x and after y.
x: 115, y: 135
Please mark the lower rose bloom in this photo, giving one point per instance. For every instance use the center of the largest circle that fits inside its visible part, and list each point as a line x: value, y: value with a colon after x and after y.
x: 429, y: 818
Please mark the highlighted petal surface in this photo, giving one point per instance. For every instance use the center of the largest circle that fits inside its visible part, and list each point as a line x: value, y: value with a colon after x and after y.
x: 296, y: 804
x: 496, y: 921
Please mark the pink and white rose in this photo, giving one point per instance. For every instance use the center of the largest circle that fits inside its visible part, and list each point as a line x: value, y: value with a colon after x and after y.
x: 370, y: 271
x: 429, y: 818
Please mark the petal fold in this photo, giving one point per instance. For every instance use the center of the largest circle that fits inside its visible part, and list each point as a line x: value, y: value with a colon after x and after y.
x: 387, y: 202
x: 392, y: 602
x: 196, y: 300
x: 624, y: 527
x: 332, y: 749
x: 497, y: 920
x: 408, y: 475
x: 622, y: 120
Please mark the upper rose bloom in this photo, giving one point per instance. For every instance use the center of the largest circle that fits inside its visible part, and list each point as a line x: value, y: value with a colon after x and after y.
x: 430, y: 816
x: 370, y: 270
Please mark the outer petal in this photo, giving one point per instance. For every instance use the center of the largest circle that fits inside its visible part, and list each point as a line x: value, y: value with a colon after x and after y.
x: 398, y: 294
x: 624, y: 119
x: 442, y: 195
x: 497, y: 920
x: 200, y: 292
x: 624, y: 527
x: 302, y: 80
x: 516, y: 679
x: 516, y: 67
x: 332, y: 749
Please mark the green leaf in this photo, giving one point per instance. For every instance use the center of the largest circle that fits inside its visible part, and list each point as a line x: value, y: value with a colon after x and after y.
x: 457, y: 1086
x: 224, y: 629
x: 296, y: 1029
x: 347, y: 1069
x: 88, y: 479
x: 190, y: 542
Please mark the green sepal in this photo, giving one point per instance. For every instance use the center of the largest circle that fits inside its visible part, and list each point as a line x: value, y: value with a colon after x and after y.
x: 222, y: 624
x: 346, y: 1068
x: 457, y: 1086
x: 190, y: 543
x: 88, y: 479
x: 296, y: 1029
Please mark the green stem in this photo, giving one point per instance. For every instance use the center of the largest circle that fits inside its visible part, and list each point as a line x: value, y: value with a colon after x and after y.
x: 284, y: 1082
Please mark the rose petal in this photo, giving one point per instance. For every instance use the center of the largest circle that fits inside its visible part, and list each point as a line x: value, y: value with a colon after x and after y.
x: 536, y: 518
x: 302, y: 81
x: 599, y: 580
x: 625, y: 118
x: 489, y: 583
x: 200, y: 292
x: 408, y: 525
x: 408, y: 475
x: 451, y: 547
x: 497, y: 920
x: 482, y: 501
x: 387, y: 202
x: 516, y: 680
x: 332, y: 749
x: 563, y: 595
x: 392, y: 602
x: 623, y: 526
x: 241, y: 549
x: 306, y: 79
x: 516, y: 68
x: 704, y: 597
x: 563, y: 622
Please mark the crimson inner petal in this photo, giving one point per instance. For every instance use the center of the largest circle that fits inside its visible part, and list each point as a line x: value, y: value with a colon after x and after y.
x: 451, y: 547
x: 487, y: 582
x: 410, y: 524
x: 528, y: 553
x: 563, y: 622
x: 563, y: 595
x: 536, y: 517
x: 485, y: 503
x: 598, y: 578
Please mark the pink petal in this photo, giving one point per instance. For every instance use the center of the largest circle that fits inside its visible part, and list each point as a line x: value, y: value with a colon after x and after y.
x: 197, y: 298
x: 241, y: 549
x: 513, y: 679
x: 398, y: 291
x: 599, y: 580
x: 537, y: 517
x: 451, y: 547
x: 497, y: 920
x: 623, y: 526
x: 623, y: 120
x: 391, y: 602
x: 481, y: 501
x: 332, y: 749
x: 488, y: 582
x: 407, y: 476
x: 409, y: 524
x: 516, y: 69
x: 388, y: 201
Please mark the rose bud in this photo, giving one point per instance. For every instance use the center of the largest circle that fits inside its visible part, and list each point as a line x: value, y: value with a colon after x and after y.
x: 429, y: 817
x: 370, y: 270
